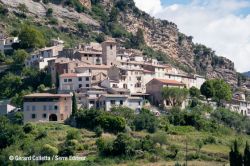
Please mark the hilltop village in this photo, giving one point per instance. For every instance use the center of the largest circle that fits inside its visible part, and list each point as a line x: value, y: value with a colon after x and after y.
x: 103, y: 76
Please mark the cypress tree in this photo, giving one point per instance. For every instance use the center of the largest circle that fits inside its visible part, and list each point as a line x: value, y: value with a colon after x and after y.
x: 235, y: 156
x: 74, y: 104
x: 247, y: 155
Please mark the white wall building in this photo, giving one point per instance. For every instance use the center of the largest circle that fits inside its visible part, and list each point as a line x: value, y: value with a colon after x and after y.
x: 40, y: 58
x: 74, y: 81
x: 6, y: 43
x: 114, y: 100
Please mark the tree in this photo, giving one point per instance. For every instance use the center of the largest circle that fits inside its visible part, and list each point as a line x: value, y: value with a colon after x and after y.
x: 175, y: 96
x: 23, y: 8
x: 146, y: 120
x: 123, y: 145
x: 207, y: 89
x: 194, y: 92
x: 112, y: 123
x: 222, y: 90
x: 247, y: 155
x: 9, y: 84
x: 74, y: 104
x: 49, y: 12
x: 41, y: 88
x: 2, y: 57
x: 100, y: 38
x: 19, y: 57
x: 234, y: 155
x: 31, y: 38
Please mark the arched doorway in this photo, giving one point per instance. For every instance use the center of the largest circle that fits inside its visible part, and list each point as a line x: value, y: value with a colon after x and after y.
x: 53, y: 117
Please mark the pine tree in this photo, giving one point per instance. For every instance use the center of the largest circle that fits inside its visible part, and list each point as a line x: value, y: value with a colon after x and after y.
x: 74, y: 104
x: 247, y: 155
x: 235, y: 156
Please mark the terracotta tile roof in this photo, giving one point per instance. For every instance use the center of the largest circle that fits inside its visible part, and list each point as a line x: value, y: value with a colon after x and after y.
x: 172, y: 82
x: 95, y: 66
x: 68, y: 75
x: 46, y: 95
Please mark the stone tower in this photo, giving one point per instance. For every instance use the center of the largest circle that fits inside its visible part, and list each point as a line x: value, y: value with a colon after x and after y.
x: 109, y: 52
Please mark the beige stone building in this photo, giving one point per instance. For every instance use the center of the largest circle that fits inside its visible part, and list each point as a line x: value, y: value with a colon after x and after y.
x: 109, y: 52
x: 45, y: 107
x: 155, y: 86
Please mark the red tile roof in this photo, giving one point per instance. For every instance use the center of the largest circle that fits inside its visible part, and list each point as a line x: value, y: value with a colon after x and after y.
x: 68, y: 75
x: 172, y: 82
x: 46, y: 95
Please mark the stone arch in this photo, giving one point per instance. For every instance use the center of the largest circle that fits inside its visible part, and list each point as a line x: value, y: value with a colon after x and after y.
x: 53, y: 117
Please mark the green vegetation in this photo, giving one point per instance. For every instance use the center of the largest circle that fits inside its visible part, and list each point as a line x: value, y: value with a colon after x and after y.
x: 31, y: 38
x: 217, y: 89
x: 208, y: 139
x: 174, y: 96
x: 74, y: 104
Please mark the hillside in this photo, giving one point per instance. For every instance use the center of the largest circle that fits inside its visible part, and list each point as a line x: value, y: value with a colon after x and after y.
x: 169, y: 144
x: 83, y: 21
x: 247, y: 74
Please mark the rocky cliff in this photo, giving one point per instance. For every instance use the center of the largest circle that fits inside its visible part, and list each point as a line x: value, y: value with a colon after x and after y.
x: 161, y: 35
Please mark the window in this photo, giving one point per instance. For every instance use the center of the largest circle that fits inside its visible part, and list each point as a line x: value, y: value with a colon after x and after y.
x: 121, y: 102
x: 80, y: 85
x: 87, y: 78
x: 97, y: 95
x: 55, y: 107
x: 112, y: 102
x: 69, y: 80
x: 44, y: 107
x: 87, y: 85
x: 65, y: 80
x: 33, y: 108
x: 139, y: 103
x: 80, y: 79
x: 44, y: 115
x: 111, y: 47
x: 33, y: 116
x: 94, y: 78
x: 50, y: 107
x: 62, y: 117
x: 27, y: 108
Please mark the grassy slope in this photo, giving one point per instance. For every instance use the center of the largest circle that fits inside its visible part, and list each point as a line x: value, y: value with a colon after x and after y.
x: 214, y: 154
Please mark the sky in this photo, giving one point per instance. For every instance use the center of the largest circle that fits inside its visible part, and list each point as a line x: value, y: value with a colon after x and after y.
x: 223, y: 25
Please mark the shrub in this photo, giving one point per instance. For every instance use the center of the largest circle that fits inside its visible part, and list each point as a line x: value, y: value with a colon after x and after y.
x: 41, y: 135
x: 98, y: 131
x: 27, y: 128
x: 147, y: 144
x: 49, y: 12
x: 66, y: 152
x: 73, y: 134
x: 112, y: 123
x: 105, y: 147
x: 146, y: 120
x: 48, y: 150
x: 159, y: 137
x: 209, y: 140
x: 123, y: 145
x: 87, y: 118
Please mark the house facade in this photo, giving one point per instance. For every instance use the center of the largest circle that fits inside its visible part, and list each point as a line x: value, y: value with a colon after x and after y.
x: 45, y: 107
x: 154, y: 88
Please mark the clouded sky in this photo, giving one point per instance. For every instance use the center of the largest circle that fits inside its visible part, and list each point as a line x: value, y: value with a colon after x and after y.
x: 223, y: 25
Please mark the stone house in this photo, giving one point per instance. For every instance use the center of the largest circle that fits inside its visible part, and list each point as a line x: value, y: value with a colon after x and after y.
x: 45, y: 107
x: 154, y: 88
